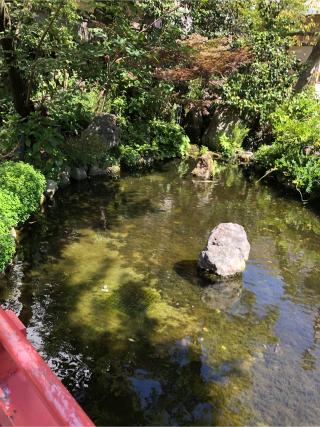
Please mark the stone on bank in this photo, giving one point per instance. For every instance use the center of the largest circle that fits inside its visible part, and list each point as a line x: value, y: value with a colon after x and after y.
x: 78, y: 174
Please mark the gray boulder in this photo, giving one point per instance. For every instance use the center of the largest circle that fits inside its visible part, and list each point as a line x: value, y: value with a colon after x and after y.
x: 51, y: 189
x: 64, y: 178
x: 96, y: 171
x: 226, y: 252
x: 223, y: 120
x: 102, y: 132
x: 78, y: 174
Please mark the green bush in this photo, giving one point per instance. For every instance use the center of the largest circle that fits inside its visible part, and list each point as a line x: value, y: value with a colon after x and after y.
x: 21, y: 189
x: 10, y: 206
x: 26, y: 183
x: 7, y: 245
x: 256, y: 89
x: 231, y: 144
x: 10, y: 122
x: 72, y: 109
x: 57, y: 119
x: 152, y: 141
x: 294, y: 153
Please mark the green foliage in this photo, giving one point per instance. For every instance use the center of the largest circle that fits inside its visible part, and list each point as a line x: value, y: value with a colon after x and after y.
x: 238, y: 17
x: 78, y: 58
x: 21, y: 189
x: 220, y: 17
x: 195, y: 89
x: 90, y: 151
x: 258, y: 88
x: 297, y: 139
x: 231, y: 144
x: 153, y: 141
x: 68, y: 102
x: 26, y: 183
x: 43, y: 41
x: 7, y: 245
x: 10, y: 206
x: 43, y: 140
x: 203, y: 150
x: 61, y: 117
x: 8, y: 130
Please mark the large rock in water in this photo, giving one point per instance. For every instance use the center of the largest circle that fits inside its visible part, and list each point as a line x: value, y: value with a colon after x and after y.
x: 226, y: 252
x: 204, y: 167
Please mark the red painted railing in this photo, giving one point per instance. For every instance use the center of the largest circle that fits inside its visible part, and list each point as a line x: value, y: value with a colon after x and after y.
x: 30, y: 393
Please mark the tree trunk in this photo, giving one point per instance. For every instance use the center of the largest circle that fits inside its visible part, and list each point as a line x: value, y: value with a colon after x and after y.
x: 18, y: 85
x: 306, y: 73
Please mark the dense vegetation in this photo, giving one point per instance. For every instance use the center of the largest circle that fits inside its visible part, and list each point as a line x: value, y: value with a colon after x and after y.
x: 165, y: 68
x: 21, y: 188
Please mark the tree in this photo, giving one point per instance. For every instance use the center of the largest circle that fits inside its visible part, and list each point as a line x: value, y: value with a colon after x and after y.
x: 26, y: 27
x: 18, y: 83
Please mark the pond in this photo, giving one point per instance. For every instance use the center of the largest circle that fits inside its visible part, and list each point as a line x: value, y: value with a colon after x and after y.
x: 106, y: 284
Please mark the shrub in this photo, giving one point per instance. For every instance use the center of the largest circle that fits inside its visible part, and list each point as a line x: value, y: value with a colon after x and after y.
x: 296, y: 128
x: 257, y: 88
x: 59, y: 117
x: 152, y: 141
x: 10, y: 122
x: 10, y: 206
x: 230, y: 145
x: 72, y: 109
x: 7, y: 245
x: 26, y: 183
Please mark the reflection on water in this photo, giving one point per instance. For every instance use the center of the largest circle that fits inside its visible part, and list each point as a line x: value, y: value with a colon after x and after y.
x: 107, y: 285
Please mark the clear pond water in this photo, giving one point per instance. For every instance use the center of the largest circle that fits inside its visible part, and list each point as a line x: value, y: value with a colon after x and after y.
x: 106, y: 284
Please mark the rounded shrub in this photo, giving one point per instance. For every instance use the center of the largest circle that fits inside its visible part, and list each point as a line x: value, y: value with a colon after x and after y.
x: 10, y: 206
x: 7, y: 245
x: 23, y: 181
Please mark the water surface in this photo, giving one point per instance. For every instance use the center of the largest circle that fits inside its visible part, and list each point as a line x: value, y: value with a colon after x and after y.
x: 106, y: 284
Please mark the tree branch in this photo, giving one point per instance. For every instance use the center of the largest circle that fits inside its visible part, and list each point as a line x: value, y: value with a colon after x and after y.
x: 266, y: 174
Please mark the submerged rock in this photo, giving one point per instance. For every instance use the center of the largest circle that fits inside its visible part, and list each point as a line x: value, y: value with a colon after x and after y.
x: 51, y: 189
x: 96, y: 171
x: 204, y: 167
x: 222, y: 295
x: 78, y: 174
x: 64, y: 178
x: 226, y: 252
